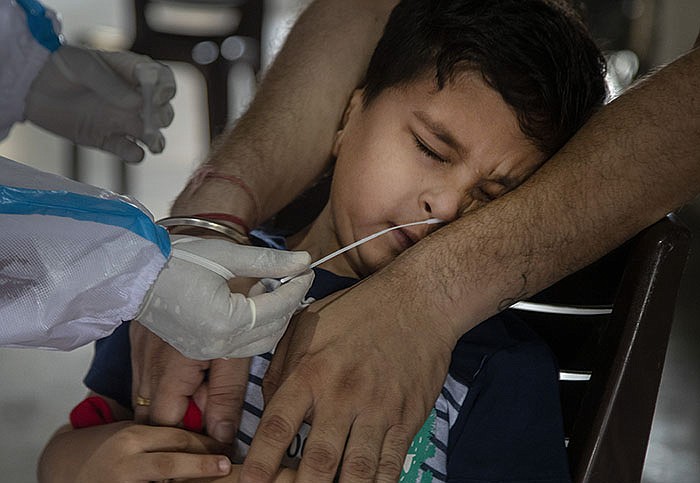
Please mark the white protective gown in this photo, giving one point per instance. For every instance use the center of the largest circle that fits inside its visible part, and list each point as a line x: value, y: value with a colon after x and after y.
x: 75, y: 260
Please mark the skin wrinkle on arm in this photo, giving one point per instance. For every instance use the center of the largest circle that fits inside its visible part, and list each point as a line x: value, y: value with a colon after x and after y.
x: 293, y: 105
x: 624, y: 170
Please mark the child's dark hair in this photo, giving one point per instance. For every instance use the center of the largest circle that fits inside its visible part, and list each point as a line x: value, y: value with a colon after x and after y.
x: 536, y: 53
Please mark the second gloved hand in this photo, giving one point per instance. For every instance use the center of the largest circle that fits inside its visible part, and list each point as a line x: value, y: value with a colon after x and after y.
x: 96, y: 98
x: 191, y: 307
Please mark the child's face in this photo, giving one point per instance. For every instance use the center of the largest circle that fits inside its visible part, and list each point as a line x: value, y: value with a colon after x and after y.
x: 416, y: 153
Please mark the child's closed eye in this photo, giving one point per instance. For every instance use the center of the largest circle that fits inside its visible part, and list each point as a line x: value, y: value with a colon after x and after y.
x: 483, y: 195
x: 429, y: 152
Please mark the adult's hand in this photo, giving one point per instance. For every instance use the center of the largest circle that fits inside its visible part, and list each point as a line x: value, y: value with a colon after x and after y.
x: 191, y: 306
x: 205, y: 315
x: 168, y: 379
x: 331, y: 367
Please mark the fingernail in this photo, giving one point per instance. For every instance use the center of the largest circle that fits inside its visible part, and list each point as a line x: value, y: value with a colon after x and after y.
x: 224, y: 465
x: 224, y: 432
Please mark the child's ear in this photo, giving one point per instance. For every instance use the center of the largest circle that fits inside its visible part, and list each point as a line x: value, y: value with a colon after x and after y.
x: 354, y: 105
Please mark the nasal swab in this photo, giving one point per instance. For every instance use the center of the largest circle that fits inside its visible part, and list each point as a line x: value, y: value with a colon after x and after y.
x: 430, y: 221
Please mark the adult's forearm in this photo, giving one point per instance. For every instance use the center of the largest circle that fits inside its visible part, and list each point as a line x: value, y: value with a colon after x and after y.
x: 283, y: 141
x: 636, y: 160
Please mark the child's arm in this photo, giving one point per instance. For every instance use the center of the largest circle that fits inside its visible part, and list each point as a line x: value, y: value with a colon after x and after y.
x: 124, y: 451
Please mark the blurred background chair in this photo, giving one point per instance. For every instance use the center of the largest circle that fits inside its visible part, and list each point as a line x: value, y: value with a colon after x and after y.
x: 211, y: 35
x: 612, y: 362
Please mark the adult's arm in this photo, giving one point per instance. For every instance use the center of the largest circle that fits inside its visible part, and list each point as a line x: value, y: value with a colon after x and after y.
x: 293, y: 117
x: 283, y: 142
x: 22, y: 58
x: 90, y: 97
x: 368, y: 366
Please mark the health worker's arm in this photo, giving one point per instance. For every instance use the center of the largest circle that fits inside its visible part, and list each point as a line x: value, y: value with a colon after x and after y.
x: 22, y: 57
x: 632, y: 163
x: 94, y: 98
x: 63, y: 243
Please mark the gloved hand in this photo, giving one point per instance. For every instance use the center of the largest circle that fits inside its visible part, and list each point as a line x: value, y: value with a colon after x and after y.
x: 191, y: 307
x: 96, y: 98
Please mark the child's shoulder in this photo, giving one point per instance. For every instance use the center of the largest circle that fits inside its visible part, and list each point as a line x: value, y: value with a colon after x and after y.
x: 510, y: 423
x: 504, y: 340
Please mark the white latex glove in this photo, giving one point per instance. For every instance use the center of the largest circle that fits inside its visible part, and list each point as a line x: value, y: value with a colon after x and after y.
x: 94, y: 98
x: 191, y: 307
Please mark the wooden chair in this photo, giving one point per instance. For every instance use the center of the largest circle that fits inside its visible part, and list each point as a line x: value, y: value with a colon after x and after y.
x: 612, y: 362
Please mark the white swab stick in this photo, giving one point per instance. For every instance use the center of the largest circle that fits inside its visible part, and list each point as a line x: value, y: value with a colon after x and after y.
x: 430, y: 221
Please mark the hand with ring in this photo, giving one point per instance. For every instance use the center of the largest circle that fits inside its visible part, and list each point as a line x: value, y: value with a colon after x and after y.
x: 164, y: 380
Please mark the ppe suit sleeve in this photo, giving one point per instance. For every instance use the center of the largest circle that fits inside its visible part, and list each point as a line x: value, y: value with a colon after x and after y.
x: 22, y: 56
x: 75, y: 260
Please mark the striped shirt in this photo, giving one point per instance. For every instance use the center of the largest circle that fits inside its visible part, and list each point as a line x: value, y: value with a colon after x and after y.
x: 426, y: 458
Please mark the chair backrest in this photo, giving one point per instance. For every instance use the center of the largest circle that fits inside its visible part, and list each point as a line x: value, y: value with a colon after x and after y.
x: 612, y: 363
x: 212, y: 51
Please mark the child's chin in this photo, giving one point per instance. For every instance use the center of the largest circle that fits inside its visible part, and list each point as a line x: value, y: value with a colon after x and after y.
x: 378, y: 264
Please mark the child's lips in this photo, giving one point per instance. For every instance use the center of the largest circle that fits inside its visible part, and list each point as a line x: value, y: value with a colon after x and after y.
x: 405, y: 238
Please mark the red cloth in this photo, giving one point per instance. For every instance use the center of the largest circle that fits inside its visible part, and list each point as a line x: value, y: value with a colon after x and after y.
x: 94, y: 411
x: 193, y: 418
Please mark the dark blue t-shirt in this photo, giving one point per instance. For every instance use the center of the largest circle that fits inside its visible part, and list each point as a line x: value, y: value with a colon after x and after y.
x: 499, y: 408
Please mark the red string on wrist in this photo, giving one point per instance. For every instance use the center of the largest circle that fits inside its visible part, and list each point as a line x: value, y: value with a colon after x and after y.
x: 225, y: 217
x: 208, y: 172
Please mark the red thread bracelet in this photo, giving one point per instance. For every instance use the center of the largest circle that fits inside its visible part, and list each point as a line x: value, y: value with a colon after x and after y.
x: 225, y: 217
x: 207, y: 171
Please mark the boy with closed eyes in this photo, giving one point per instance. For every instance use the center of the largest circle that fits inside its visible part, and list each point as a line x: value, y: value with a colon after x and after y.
x: 463, y: 100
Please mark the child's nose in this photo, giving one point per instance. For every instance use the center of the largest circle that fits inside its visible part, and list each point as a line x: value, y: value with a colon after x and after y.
x: 443, y: 204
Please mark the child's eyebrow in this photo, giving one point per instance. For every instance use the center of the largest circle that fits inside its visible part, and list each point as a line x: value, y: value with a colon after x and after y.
x: 441, y: 131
